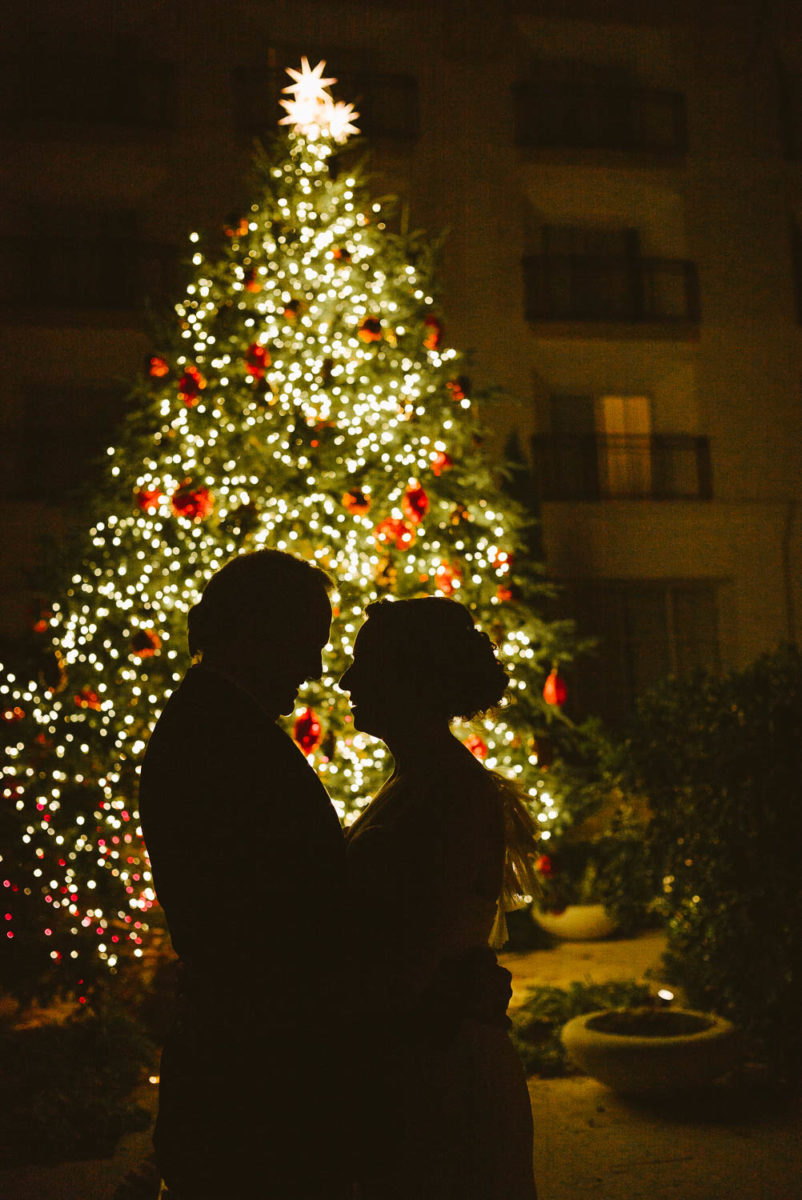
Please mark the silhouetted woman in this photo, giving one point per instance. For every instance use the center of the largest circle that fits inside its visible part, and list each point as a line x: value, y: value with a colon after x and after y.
x: 433, y: 862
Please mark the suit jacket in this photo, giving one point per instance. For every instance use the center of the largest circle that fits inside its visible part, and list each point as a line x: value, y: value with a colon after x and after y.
x: 246, y: 850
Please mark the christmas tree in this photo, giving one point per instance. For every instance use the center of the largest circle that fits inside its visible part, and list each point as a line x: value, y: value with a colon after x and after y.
x: 306, y: 400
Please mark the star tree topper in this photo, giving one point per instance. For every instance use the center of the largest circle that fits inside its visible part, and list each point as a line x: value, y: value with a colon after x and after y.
x: 312, y: 108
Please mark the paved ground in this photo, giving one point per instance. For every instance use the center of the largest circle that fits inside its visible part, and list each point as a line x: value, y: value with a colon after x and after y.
x: 589, y: 1143
x: 726, y: 1145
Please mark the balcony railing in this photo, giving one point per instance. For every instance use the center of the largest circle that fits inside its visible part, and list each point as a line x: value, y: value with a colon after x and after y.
x: 585, y: 287
x: 667, y: 466
x: 596, y: 117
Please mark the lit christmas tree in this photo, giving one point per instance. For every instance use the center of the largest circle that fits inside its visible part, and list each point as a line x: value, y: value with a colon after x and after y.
x: 305, y: 401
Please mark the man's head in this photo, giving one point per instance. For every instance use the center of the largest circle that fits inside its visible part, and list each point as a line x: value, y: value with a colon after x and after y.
x: 263, y: 620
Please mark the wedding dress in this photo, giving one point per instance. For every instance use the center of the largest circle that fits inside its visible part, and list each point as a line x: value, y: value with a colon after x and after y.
x: 432, y: 862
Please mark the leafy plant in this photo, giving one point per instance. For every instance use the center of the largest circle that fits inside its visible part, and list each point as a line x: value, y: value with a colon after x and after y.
x: 593, y: 842
x: 720, y: 761
x: 65, y: 1089
x: 537, y: 1023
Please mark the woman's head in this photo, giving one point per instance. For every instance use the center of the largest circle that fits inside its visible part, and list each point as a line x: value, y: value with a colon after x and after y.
x: 421, y: 659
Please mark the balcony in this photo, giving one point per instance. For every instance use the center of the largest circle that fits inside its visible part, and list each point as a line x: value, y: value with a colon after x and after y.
x: 667, y: 466
x: 569, y: 116
x: 609, y: 288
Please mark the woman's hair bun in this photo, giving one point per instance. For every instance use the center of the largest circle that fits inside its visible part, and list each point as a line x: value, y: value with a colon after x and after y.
x: 439, y: 649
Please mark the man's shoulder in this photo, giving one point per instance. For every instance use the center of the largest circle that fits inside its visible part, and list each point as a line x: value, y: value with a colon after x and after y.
x: 206, y: 704
x: 211, y: 727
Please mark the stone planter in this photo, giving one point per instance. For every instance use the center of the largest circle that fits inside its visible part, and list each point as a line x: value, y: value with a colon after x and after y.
x: 701, y: 1048
x: 577, y: 922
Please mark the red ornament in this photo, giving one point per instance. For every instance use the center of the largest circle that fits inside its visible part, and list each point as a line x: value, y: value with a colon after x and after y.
x: 460, y: 388
x: 501, y: 561
x: 252, y: 280
x: 190, y: 385
x: 86, y: 698
x: 447, y: 577
x: 434, y: 332
x: 52, y: 673
x: 476, y: 745
x: 394, y: 532
x: 157, y: 367
x: 441, y: 462
x: 340, y: 255
x: 149, y: 499
x: 356, y: 501
x: 237, y: 229
x: 415, y: 503
x: 13, y: 714
x: 370, y: 330
x: 257, y: 360
x: 42, y: 623
x: 145, y: 643
x: 554, y: 689
x: 307, y: 731
x: 191, y: 502
x: 544, y: 865
x: 505, y: 594
x: 291, y: 310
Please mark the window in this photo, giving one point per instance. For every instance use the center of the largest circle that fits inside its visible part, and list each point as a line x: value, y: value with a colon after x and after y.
x: 387, y: 103
x: 625, y: 425
x: 603, y: 447
x: 582, y: 106
x: 646, y: 630
x: 623, y: 445
x: 587, y: 273
x: 60, y: 441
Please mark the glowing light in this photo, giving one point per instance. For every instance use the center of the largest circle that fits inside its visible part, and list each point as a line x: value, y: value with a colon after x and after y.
x: 309, y: 86
x: 309, y: 404
x: 311, y: 109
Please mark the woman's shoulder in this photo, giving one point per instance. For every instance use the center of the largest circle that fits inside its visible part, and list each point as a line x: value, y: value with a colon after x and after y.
x: 463, y: 765
x: 462, y: 786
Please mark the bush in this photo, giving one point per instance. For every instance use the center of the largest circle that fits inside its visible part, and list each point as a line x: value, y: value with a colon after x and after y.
x: 720, y: 762
x: 65, y: 1088
x: 592, y: 846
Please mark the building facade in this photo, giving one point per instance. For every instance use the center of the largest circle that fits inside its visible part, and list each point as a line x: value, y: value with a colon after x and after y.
x: 621, y: 183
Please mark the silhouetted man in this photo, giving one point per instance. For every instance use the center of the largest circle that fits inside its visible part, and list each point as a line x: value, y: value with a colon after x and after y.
x: 248, y: 864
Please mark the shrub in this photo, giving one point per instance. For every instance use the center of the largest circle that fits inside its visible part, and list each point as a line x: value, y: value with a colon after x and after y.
x: 592, y: 848
x: 65, y: 1087
x: 720, y: 761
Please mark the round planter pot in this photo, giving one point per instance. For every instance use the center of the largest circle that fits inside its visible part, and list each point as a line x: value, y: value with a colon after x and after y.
x: 577, y: 922
x: 637, y: 1063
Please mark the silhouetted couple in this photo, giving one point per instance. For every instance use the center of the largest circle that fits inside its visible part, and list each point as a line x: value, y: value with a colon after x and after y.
x: 342, y: 1028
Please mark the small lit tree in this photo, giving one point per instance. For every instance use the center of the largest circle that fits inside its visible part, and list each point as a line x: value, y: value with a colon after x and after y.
x: 305, y: 399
